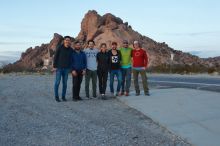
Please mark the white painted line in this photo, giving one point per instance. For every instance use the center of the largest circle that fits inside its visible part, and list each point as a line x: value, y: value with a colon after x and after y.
x: 187, y: 83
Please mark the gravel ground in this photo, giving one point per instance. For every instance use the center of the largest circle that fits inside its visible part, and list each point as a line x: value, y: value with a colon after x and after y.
x: 29, y: 115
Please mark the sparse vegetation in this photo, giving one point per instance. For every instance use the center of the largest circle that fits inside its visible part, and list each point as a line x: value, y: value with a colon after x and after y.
x: 183, y: 69
x: 12, y: 68
x: 163, y: 68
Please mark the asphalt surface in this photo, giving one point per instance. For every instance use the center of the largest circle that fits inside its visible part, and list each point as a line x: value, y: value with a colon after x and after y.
x: 29, y: 115
x: 200, y: 82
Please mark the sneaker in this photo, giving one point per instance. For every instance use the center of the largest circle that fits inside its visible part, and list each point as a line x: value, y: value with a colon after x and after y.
x: 57, y: 99
x: 64, y: 99
x: 79, y: 98
x: 122, y: 93
x: 147, y: 93
x: 100, y: 96
x: 137, y: 93
x: 126, y: 93
x: 117, y: 94
x: 112, y: 95
x: 75, y: 99
x: 104, y: 97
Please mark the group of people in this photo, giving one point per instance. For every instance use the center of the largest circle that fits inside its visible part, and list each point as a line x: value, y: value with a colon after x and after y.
x: 96, y: 63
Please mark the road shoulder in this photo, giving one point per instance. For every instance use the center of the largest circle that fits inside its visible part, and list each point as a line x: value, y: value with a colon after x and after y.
x: 192, y: 114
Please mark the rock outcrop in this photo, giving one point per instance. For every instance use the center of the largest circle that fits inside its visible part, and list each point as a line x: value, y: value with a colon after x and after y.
x: 106, y: 29
x: 213, y: 61
x: 33, y: 58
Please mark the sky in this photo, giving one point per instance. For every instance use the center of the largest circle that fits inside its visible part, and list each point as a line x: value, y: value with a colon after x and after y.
x: 187, y: 25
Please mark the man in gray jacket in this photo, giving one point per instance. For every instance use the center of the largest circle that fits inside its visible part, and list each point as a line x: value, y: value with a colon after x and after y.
x: 91, y: 70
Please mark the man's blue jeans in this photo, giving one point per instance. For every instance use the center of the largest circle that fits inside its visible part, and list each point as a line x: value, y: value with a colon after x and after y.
x: 61, y: 73
x: 114, y: 73
x: 126, y: 79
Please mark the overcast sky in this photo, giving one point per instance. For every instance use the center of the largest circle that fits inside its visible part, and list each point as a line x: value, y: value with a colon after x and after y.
x: 187, y: 25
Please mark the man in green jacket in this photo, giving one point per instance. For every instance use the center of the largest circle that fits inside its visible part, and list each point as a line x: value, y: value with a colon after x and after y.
x: 126, y: 54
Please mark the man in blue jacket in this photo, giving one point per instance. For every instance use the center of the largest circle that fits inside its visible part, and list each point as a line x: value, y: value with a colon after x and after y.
x: 78, y: 64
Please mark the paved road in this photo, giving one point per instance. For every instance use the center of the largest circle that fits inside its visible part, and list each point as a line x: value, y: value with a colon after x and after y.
x: 201, y: 82
x: 30, y: 116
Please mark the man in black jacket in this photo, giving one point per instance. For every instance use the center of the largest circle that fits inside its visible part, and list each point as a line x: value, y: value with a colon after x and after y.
x: 62, y: 66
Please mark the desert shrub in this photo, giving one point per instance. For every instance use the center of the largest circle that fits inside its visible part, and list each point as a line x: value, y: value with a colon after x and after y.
x: 211, y: 70
x: 182, y: 69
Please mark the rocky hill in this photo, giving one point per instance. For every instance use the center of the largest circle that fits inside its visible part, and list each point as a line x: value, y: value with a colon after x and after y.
x: 215, y: 61
x: 108, y: 28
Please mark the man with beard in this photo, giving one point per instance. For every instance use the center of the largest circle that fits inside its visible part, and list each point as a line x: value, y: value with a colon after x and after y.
x: 78, y: 70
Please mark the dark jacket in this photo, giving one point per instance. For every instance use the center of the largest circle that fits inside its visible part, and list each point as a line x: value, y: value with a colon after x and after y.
x: 115, y: 60
x: 78, y: 62
x: 103, y: 61
x: 62, y: 57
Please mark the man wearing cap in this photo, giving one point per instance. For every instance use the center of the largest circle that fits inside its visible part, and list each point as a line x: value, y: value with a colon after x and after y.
x: 126, y: 53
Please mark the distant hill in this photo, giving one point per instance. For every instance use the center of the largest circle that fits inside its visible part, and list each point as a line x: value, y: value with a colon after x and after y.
x: 3, y: 63
x: 108, y: 28
x: 7, y: 57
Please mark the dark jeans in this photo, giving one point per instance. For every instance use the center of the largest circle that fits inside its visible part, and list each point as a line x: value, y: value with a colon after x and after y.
x: 144, y: 80
x: 114, y: 73
x: 76, y: 80
x: 61, y: 73
x: 126, y: 79
x: 91, y: 75
x: 103, y: 76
